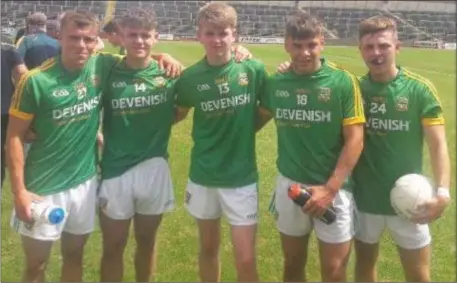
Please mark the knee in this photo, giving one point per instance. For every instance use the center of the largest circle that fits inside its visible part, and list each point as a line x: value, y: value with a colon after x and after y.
x: 419, y: 277
x: 36, y: 265
x: 421, y: 274
x: 145, y: 242
x: 114, y: 246
x: 73, y: 255
x: 334, y: 270
x: 209, y: 249
x: 294, y: 264
x: 246, y: 262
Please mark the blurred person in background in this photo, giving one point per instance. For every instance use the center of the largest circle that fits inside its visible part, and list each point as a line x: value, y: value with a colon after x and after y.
x: 37, y: 46
x: 111, y: 32
x: 12, y: 69
x: 53, y: 28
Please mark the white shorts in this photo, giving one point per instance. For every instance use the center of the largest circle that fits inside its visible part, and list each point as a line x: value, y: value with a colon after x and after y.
x: 146, y: 189
x: 291, y: 220
x: 238, y: 204
x: 406, y: 234
x: 80, y: 205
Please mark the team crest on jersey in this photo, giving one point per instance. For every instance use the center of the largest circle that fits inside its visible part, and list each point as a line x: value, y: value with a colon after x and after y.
x: 243, y: 79
x: 95, y: 80
x: 401, y: 104
x: 324, y: 94
x: 81, y: 90
x: 159, y: 82
x: 221, y: 80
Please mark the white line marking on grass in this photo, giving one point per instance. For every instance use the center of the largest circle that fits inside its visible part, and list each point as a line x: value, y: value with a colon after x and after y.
x: 410, y: 68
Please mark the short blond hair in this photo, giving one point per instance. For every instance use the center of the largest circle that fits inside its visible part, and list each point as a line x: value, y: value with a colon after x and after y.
x: 376, y: 24
x: 218, y: 14
x: 80, y: 18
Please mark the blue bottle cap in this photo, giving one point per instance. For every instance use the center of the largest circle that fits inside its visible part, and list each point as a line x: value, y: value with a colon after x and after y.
x: 56, y: 216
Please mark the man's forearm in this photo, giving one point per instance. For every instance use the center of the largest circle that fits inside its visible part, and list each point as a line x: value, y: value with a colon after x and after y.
x: 180, y: 114
x: 15, y: 159
x: 346, y: 162
x: 262, y: 118
x: 441, y: 165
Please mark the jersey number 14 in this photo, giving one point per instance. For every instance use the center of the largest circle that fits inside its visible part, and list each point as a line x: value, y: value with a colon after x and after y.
x: 140, y: 87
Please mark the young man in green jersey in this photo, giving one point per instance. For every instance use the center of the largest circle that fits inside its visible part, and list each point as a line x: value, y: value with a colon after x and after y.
x: 61, y: 99
x: 401, y: 109
x: 223, y: 173
x: 318, y: 111
x: 138, y: 104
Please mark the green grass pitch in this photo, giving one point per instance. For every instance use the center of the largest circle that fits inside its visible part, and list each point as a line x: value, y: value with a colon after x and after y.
x: 177, y: 239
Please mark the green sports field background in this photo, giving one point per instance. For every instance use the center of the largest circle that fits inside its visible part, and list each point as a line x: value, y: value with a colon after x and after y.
x: 177, y: 239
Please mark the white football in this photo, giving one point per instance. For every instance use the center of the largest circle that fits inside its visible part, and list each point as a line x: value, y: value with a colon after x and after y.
x: 408, y: 192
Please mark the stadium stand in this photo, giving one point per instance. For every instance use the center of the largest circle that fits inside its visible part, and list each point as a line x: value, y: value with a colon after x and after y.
x: 417, y: 20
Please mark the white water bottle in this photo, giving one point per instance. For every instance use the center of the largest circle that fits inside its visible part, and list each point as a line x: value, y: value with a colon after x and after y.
x: 49, y: 214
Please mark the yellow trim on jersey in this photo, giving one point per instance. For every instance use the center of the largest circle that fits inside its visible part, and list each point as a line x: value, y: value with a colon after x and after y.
x: 20, y: 86
x: 17, y: 97
x: 117, y: 56
x: 21, y: 115
x: 426, y: 82
x: 433, y: 121
x: 354, y: 120
x: 19, y: 41
x: 358, y: 105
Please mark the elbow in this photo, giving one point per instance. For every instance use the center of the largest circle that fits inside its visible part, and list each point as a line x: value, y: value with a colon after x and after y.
x: 361, y: 144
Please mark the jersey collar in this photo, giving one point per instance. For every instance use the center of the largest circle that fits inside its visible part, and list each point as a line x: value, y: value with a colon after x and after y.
x: 399, y: 74
x: 316, y: 73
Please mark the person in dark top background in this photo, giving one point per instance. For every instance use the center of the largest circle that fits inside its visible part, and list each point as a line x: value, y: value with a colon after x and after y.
x: 37, y: 46
x: 111, y: 31
x: 12, y: 69
x: 53, y: 28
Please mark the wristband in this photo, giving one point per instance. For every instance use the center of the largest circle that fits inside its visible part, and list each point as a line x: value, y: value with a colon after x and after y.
x: 443, y: 192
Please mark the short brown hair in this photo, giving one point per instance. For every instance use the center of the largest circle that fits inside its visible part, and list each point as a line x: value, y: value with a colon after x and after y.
x: 139, y: 18
x: 376, y: 24
x: 218, y: 14
x: 80, y: 18
x: 112, y: 26
x: 302, y: 25
x: 37, y: 19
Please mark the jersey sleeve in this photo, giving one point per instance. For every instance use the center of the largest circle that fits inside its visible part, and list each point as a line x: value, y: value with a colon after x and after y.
x: 431, y: 111
x: 104, y: 67
x: 25, y: 100
x: 183, y: 98
x: 351, y: 101
x: 105, y: 63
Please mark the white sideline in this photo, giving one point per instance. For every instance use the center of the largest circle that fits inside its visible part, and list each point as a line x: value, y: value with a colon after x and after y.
x: 410, y: 68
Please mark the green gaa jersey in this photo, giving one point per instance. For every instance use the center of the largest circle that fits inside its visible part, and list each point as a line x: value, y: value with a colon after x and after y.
x: 224, y: 99
x: 396, y: 112
x: 310, y: 112
x: 65, y: 108
x: 138, y: 115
